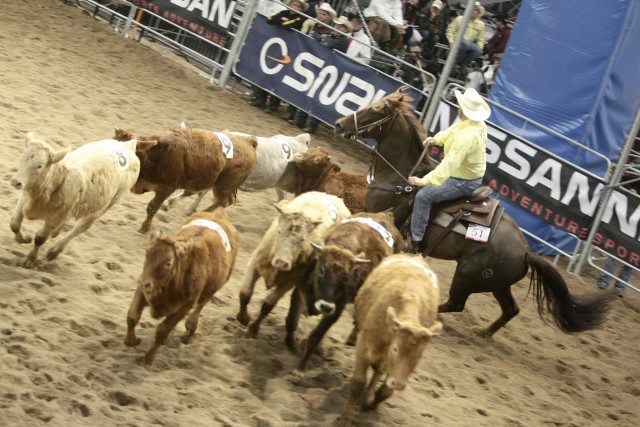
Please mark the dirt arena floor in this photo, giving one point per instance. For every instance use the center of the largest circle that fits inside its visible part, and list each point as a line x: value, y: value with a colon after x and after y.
x: 70, y: 79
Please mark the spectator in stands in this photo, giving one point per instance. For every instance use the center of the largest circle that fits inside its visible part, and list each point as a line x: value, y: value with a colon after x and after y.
x: 624, y: 275
x: 324, y: 15
x: 410, y: 75
x: 473, y: 39
x: 497, y: 43
x: 288, y: 19
x: 430, y: 26
x: 385, y: 20
x: 339, y: 38
x: 360, y: 47
x: 411, y: 10
x: 416, y: 77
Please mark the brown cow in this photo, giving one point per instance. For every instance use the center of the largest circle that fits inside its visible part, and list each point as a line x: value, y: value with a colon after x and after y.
x: 395, y: 314
x: 350, y: 249
x: 191, y: 159
x: 181, y: 273
x: 316, y: 172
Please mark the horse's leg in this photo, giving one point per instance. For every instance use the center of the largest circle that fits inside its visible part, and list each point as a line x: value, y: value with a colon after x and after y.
x: 458, y: 294
x: 509, y: 310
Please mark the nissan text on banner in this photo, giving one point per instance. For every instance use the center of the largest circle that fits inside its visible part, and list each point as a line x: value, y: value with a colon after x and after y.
x: 208, y: 19
x: 553, y: 189
x: 309, y: 75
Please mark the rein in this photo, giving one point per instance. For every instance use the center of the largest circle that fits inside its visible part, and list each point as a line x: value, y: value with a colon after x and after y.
x: 380, y: 122
x: 359, y: 131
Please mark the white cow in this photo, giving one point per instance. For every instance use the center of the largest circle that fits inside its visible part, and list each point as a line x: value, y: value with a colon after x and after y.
x: 64, y: 184
x: 272, y: 157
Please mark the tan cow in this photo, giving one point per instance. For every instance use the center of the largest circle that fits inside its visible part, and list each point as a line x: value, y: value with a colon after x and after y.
x: 60, y: 185
x: 350, y: 249
x: 191, y: 159
x: 181, y: 273
x: 284, y: 257
x: 395, y: 314
x: 316, y: 172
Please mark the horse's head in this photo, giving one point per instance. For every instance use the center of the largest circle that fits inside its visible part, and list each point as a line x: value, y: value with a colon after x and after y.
x: 370, y: 122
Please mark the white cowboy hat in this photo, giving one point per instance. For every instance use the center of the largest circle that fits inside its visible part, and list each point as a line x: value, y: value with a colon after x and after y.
x: 304, y: 4
x: 437, y: 4
x: 343, y: 20
x: 327, y: 8
x: 472, y: 105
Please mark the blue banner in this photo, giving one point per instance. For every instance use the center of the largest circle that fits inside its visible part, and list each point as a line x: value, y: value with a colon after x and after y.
x: 309, y: 75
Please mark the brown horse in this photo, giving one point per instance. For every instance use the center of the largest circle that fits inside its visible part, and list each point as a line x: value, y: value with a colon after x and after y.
x: 482, y: 267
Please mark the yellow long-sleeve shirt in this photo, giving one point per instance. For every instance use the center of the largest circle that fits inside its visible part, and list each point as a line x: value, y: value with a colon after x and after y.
x: 474, y: 32
x: 465, y: 152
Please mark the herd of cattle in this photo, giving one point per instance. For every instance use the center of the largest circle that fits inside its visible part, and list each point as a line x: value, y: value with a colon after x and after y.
x: 320, y: 245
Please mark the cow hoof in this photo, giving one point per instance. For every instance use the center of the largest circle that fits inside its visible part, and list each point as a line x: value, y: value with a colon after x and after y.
x: 252, y: 332
x: 482, y: 333
x: 243, y: 318
x: 291, y: 344
x: 30, y: 261
x: 186, y: 338
x: 144, y: 229
x: 21, y: 239
x: 132, y: 342
x: 52, y: 254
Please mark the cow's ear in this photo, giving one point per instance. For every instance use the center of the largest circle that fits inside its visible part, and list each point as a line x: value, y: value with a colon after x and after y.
x: 156, y: 234
x: 183, y: 248
x: 55, y: 157
x: 392, y: 319
x: 29, y: 138
x: 121, y: 134
x: 146, y: 144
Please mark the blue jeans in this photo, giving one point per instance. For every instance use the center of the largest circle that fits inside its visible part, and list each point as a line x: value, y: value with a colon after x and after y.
x: 468, y: 52
x: 609, y: 267
x: 428, y: 195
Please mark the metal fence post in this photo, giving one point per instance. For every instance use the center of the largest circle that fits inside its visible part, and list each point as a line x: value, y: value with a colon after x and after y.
x: 238, y: 41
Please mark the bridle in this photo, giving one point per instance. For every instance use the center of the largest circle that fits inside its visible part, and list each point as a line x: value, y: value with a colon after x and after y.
x: 359, y: 131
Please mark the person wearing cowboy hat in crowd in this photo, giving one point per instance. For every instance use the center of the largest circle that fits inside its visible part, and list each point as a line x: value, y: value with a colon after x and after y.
x: 462, y: 168
x: 339, y: 38
x: 316, y: 30
x: 285, y: 18
x: 473, y: 39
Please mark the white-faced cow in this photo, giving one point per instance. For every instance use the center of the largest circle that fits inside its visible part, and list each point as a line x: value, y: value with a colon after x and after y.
x: 64, y: 184
x: 350, y: 249
x: 181, y: 273
x: 395, y: 314
x: 285, y: 259
x: 272, y: 170
x: 191, y: 159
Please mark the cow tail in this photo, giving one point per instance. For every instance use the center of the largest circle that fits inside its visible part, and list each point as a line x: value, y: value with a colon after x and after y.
x: 570, y: 313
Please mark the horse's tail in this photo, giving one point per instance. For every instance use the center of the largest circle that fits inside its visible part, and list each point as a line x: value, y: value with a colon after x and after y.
x: 570, y: 313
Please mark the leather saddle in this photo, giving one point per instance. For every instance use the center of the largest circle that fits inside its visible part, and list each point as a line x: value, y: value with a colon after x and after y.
x: 456, y: 215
